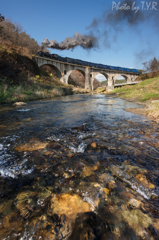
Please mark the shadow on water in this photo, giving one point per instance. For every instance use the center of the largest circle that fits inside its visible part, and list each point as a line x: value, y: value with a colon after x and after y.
x: 78, y: 167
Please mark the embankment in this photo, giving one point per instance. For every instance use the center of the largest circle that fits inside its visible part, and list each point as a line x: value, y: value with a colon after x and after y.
x: 146, y: 93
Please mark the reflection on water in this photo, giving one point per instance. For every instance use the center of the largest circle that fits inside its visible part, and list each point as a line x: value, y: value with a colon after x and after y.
x: 78, y: 167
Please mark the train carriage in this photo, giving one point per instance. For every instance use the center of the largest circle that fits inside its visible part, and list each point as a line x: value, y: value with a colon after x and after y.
x: 85, y: 63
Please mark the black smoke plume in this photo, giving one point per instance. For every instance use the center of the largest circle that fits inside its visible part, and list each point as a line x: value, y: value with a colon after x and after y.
x: 85, y: 41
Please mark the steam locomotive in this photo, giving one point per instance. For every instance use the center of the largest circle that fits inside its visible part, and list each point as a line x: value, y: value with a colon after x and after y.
x: 89, y: 64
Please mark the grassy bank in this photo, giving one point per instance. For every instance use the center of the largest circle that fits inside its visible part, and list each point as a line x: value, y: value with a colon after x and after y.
x: 36, y: 88
x: 33, y: 89
x: 146, y: 92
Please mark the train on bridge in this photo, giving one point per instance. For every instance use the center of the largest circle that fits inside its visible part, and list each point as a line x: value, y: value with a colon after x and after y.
x: 89, y: 64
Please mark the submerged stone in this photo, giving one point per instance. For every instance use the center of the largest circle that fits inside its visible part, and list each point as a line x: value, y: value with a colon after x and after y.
x: 88, y: 170
x: 69, y: 205
x: 134, y: 203
x: 143, y: 180
x: 106, y: 190
x: 93, y: 145
x: 137, y: 219
x: 24, y: 203
x: 32, y: 146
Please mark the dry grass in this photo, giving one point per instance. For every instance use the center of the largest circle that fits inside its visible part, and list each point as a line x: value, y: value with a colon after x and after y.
x: 153, y: 110
x: 78, y: 90
x: 146, y: 92
x: 7, y: 46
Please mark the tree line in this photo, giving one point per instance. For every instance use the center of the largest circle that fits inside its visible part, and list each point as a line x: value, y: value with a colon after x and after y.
x: 14, y: 33
x: 151, y: 66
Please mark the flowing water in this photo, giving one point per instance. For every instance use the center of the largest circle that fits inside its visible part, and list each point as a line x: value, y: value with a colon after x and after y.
x: 78, y: 167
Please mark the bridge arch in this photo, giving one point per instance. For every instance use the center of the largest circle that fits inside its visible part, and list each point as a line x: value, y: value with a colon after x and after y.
x: 94, y: 74
x: 55, y: 68
x: 81, y: 71
x: 121, y: 75
x: 76, y: 77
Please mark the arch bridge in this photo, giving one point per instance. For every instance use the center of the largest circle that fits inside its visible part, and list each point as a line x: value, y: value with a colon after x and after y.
x: 64, y: 69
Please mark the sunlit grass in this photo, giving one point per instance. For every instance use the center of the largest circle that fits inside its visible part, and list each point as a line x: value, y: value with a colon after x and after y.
x: 32, y: 90
x: 144, y: 91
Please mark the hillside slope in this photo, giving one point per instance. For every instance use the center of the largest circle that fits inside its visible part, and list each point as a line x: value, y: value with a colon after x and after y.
x: 22, y: 80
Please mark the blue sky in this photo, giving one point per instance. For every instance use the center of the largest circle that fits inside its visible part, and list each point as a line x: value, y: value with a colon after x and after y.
x: 123, y: 44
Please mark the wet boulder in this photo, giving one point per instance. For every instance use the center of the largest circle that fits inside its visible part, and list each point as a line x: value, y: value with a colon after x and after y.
x: 18, y: 104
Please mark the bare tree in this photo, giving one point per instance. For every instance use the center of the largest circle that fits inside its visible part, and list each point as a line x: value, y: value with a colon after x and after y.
x: 1, y: 18
x: 154, y: 66
x: 146, y: 66
x: 151, y: 65
x: 15, y: 34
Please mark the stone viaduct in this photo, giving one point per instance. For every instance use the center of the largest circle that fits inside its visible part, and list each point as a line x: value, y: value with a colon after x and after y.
x: 64, y: 69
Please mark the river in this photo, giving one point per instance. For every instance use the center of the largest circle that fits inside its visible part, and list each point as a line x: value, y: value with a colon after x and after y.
x: 78, y: 167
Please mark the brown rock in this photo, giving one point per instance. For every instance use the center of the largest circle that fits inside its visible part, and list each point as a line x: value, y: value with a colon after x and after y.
x: 127, y: 195
x: 69, y: 205
x: 106, y: 190
x: 156, y: 224
x: 70, y: 155
x: 134, y: 203
x: 6, y: 222
x: 88, y: 170
x: 137, y: 220
x: 111, y: 184
x: 93, y: 145
x: 32, y: 146
x: 142, y: 180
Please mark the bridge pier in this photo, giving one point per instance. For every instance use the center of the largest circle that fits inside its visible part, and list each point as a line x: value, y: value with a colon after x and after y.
x: 87, y: 79
x: 110, y: 86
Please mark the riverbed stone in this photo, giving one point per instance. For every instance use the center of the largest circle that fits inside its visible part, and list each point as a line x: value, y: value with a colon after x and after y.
x: 70, y: 155
x: 106, y: 190
x: 32, y: 146
x: 112, y: 185
x: 137, y: 220
x: 134, y: 203
x: 19, y: 104
x: 143, y: 180
x: 24, y: 203
x: 93, y: 145
x: 68, y: 175
x: 69, y: 205
x: 88, y: 170
x: 44, y: 193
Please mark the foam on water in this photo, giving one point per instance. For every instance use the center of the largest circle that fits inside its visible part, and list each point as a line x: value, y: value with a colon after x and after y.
x: 54, y: 138
x: 74, y: 144
x: 23, y: 110
x: 85, y: 135
x: 144, y: 192
x: 15, y: 169
x: 80, y: 149
x: 1, y: 147
x: 9, y: 167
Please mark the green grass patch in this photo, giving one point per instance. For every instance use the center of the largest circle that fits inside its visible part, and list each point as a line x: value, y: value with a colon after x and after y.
x: 6, y: 93
x: 145, y: 91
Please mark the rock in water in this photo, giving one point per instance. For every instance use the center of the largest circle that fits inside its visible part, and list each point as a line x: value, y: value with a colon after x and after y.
x: 69, y: 205
x: 17, y: 104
